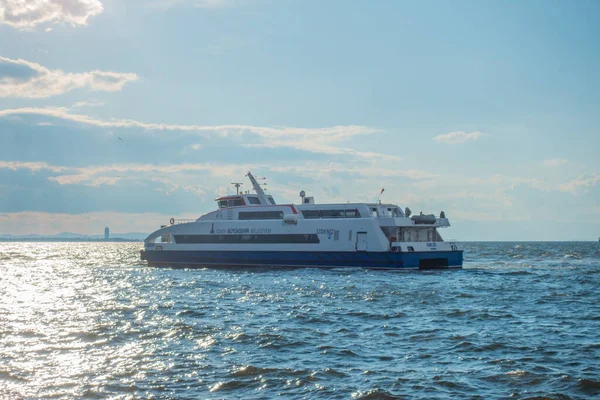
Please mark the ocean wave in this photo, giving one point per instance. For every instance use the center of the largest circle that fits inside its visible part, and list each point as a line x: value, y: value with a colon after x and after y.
x: 73, y: 327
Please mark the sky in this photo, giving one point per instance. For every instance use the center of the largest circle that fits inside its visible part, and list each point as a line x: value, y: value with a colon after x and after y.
x: 127, y: 113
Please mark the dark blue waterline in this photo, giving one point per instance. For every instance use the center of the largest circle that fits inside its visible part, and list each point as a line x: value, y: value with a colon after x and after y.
x: 317, y: 259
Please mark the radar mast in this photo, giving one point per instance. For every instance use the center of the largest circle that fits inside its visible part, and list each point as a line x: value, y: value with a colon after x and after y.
x: 237, y: 186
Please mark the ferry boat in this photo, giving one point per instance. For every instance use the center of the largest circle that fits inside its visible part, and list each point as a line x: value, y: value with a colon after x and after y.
x: 251, y: 230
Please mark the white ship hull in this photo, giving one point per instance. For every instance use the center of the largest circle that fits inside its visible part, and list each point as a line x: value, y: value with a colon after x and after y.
x: 307, y: 235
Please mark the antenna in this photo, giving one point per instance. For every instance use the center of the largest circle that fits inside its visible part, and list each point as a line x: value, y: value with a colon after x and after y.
x: 237, y: 186
x: 259, y: 191
x: 378, y: 200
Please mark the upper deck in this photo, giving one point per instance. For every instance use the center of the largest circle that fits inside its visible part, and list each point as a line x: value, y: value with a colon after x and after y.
x: 236, y: 208
x: 260, y: 206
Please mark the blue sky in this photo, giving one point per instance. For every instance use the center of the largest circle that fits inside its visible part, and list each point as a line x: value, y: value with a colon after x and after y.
x: 489, y: 111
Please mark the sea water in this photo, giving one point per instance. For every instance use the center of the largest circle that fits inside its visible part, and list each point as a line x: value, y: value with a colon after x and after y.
x: 90, y: 320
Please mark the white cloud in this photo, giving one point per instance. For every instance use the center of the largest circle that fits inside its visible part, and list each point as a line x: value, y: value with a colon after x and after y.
x: 316, y: 140
x: 368, y: 171
x: 183, y: 177
x: 580, y: 184
x: 192, y: 147
x: 457, y: 137
x: 498, y: 198
x: 21, y: 78
x: 109, y: 174
x: 555, y: 162
x: 32, y: 166
x: 28, y: 14
x: 320, y: 145
x: 333, y: 133
x: 91, y: 103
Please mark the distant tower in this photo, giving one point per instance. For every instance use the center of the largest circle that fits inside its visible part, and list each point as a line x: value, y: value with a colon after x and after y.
x: 106, y: 233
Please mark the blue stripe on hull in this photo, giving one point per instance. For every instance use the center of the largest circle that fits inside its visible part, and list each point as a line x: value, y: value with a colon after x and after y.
x: 384, y: 260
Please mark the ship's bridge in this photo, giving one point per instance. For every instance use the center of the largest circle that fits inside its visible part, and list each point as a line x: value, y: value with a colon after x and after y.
x: 237, y: 200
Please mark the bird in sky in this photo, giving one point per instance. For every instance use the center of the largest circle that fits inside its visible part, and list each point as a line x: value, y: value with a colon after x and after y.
x: 121, y: 139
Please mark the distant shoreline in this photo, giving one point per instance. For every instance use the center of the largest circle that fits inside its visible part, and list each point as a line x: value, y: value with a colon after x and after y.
x: 50, y: 239
x: 68, y: 240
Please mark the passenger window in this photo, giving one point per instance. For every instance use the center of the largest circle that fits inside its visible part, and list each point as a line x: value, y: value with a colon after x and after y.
x: 310, y: 214
x: 351, y: 213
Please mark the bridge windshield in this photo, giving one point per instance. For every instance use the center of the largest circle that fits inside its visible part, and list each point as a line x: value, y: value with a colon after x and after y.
x: 230, y: 202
